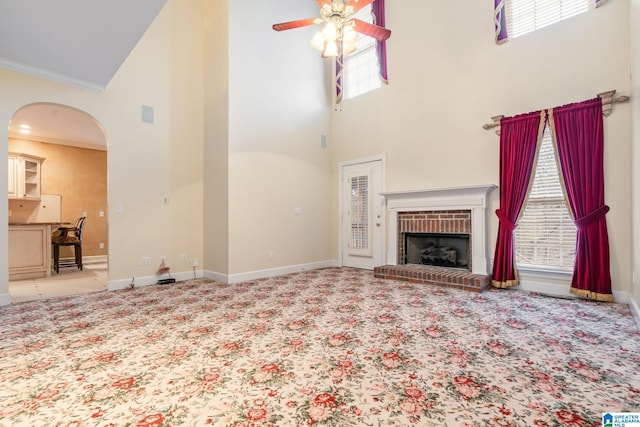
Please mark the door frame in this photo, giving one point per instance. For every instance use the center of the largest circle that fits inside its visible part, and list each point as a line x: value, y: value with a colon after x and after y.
x: 382, y: 158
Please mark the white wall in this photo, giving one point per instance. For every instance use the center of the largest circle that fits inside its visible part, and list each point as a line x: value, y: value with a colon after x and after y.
x: 447, y: 77
x: 145, y: 162
x: 634, y: 19
x: 278, y: 109
x: 216, y: 134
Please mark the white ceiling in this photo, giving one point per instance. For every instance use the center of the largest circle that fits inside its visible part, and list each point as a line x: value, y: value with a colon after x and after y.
x: 77, y: 42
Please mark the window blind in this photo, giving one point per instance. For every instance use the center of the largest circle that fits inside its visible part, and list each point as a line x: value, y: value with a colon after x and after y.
x: 525, y: 16
x: 359, y: 212
x: 361, y: 70
x: 545, y: 235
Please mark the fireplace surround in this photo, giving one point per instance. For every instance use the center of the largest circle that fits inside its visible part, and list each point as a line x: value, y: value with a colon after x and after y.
x: 446, y: 212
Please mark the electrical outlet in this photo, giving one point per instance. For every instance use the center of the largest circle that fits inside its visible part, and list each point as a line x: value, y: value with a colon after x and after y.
x: 182, y: 257
x: 101, y: 245
x: 194, y: 262
x: 145, y: 260
x: 272, y: 254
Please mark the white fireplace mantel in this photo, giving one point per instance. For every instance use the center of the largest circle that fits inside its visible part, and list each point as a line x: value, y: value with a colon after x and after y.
x: 472, y: 198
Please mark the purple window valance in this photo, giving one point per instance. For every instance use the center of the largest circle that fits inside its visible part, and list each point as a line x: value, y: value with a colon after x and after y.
x: 378, y: 16
x: 500, y: 21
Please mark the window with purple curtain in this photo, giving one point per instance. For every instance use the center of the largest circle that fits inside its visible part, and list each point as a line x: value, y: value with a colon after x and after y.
x: 519, y: 141
x: 378, y: 12
x: 579, y: 137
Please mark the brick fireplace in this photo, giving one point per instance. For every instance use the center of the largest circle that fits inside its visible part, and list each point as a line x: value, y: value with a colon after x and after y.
x: 459, y: 212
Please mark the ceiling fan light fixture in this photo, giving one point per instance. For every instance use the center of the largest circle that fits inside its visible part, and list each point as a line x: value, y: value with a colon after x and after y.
x: 325, y: 11
x: 330, y: 49
x: 349, y: 35
x: 330, y: 32
x: 317, y: 42
x: 340, y: 32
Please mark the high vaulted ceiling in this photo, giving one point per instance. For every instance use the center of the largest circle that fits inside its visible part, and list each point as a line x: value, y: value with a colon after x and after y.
x: 78, y: 42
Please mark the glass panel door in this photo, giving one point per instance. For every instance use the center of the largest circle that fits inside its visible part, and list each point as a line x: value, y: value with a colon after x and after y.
x: 360, y: 215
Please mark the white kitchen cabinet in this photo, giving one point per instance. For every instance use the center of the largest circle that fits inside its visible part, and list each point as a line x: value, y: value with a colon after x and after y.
x: 24, y: 176
x: 13, y: 176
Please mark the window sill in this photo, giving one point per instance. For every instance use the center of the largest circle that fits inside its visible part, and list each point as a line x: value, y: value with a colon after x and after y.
x: 544, y: 272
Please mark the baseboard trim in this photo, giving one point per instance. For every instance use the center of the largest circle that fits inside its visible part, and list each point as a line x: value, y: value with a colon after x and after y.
x: 216, y: 277
x: 545, y: 288
x: 562, y: 290
x: 272, y: 272
x: 5, y: 299
x: 635, y: 311
x: 114, y: 285
x: 93, y: 259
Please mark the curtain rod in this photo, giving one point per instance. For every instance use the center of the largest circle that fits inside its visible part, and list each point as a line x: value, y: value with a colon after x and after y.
x: 608, y: 100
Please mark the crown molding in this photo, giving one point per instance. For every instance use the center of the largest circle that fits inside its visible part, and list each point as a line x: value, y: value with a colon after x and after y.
x: 50, y: 75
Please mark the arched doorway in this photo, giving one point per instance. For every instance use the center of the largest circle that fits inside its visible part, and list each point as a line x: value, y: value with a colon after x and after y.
x: 67, y: 149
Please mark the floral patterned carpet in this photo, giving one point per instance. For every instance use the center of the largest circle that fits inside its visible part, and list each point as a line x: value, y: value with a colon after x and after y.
x: 332, y: 347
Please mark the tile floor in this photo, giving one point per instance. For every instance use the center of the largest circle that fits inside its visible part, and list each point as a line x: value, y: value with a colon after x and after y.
x: 69, y: 281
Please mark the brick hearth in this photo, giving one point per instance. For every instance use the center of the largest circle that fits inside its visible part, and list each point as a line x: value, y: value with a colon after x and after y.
x: 451, y: 278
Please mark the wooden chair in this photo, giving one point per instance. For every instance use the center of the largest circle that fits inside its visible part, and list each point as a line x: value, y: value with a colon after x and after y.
x: 68, y: 236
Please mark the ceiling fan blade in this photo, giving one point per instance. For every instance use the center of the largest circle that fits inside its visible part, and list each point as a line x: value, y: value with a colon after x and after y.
x: 323, y: 2
x: 378, y: 33
x: 294, y: 24
x: 358, y: 4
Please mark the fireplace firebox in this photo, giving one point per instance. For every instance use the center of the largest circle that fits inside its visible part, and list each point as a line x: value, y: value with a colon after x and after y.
x: 437, y: 249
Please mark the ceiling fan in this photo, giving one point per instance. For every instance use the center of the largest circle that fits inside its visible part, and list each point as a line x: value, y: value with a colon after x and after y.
x: 340, y: 31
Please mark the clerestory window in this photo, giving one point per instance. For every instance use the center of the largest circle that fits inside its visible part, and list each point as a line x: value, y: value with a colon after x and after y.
x: 524, y: 16
x: 361, y: 71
